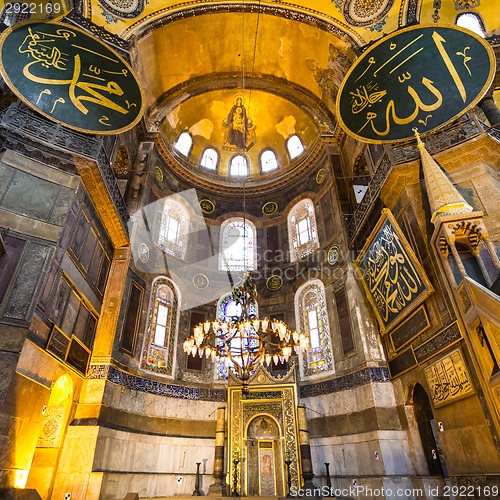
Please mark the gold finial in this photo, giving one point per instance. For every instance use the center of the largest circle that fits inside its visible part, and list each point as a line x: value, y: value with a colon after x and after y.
x: 417, y: 135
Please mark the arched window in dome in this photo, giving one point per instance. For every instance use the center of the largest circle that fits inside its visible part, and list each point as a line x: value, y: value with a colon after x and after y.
x: 302, y: 231
x: 238, y: 251
x: 268, y: 161
x: 161, y: 332
x: 471, y: 21
x: 209, y: 159
x: 228, y: 310
x: 183, y: 143
x: 174, y: 227
x: 294, y: 146
x: 238, y: 166
x: 312, y: 317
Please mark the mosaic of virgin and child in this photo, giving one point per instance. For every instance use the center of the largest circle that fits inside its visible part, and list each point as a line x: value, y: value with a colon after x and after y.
x: 239, y: 129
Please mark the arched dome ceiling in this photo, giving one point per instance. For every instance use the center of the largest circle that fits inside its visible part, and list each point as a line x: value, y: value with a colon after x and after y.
x: 287, y: 61
x: 287, y: 72
x: 273, y: 120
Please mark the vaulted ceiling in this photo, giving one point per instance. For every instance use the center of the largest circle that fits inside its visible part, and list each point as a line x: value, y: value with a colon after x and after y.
x: 285, y: 60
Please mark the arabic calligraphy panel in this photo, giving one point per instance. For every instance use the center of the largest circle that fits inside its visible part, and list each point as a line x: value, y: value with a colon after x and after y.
x: 70, y: 77
x: 392, y: 88
x: 394, y: 281
x: 448, y: 379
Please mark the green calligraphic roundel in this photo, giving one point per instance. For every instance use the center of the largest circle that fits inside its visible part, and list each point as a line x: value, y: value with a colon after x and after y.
x: 269, y: 208
x: 70, y: 77
x: 207, y: 206
x: 201, y: 281
x: 420, y: 77
x: 274, y: 282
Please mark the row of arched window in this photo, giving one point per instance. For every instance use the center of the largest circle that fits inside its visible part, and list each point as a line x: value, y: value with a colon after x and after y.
x: 161, y: 334
x: 238, y: 165
x: 238, y: 236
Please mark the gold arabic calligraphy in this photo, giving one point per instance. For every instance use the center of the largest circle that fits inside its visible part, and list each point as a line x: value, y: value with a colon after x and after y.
x: 369, y: 94
x: 390, y: 275
x: 448, y: 379
x: 84, y: 84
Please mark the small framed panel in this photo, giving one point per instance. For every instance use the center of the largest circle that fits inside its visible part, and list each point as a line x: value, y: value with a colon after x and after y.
x: 58, y: 343
x: 393, y: 279
x: 448, y: 379
x: 78, y: 356
x: 438, y: 343
x: 402, y: 363
x: 132, y: 318
x: 416, y: 324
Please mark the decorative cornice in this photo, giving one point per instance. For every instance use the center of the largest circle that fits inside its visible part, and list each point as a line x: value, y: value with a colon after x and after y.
x: 314, y: 18
x: 187, y: 173
x: 345, y: 382
x: 102, y: 201
x: 145, y: 384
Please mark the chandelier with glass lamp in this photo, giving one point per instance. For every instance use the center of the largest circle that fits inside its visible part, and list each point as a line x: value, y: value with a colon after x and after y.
x: 244, y: 342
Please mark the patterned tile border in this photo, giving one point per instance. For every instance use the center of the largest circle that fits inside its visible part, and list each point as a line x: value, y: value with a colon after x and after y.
x: 143, y: 384
x: 350, y: 381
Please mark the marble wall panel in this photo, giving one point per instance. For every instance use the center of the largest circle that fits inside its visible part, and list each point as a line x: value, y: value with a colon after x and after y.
x: 346, y: 401
x: 30, y: 196
x: 116, y: 486
x: 395, y: 454
x: 354, y: 455
x: 21, y: 297
x: 6, y: 175
x: 123, y: 451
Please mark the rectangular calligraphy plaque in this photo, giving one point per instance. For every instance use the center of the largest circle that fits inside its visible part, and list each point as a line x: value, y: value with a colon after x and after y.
x: 394, y: 281
x: 448, y: 379
x: 413, y: 326
x: 438, y: 342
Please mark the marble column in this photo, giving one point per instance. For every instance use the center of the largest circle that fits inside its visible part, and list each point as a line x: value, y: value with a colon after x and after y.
x: 217, y: 488
x: 305, y: 448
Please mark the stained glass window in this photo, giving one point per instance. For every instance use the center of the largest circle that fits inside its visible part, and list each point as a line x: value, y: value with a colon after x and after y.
x: 238, y: 238
x: 173, y: 229
x: 227, y: 310
x: 159, y: 341
x: 183, y: 143
x: 302, y: 229
x: 209, y: 159
x: 294, y: 146
x: 313, y: 320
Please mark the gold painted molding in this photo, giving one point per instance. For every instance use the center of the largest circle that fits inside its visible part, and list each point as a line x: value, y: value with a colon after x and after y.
x: 103, y: 204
